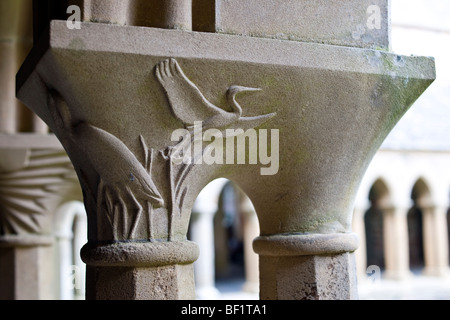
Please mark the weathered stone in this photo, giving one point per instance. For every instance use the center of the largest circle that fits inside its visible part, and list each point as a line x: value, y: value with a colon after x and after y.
x: 320, y: 277
x: 168, y: 14
x: 141, y: 271
x: 330, y: 106
x: 307, y: 266
x: 356, y: 23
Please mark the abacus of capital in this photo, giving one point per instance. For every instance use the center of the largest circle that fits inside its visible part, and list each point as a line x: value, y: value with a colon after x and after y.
x: 113, y: 95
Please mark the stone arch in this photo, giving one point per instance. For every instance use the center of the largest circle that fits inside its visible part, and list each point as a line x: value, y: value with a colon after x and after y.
x: 70, y: 231
x: 238, y: 225
x: 223, y: 212
x: 380, y: 200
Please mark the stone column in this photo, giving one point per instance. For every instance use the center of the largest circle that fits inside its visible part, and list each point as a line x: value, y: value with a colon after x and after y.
x: 140, y: 271
x: 250, y: 230
x: 167, y: 14
x: 70, y: 236
x: 26, y: 268
x: 35, y: 178
x: 435, y: 241
x: 396, y: 247
x: 202, y: 233
x: 16, y: 40
x: 361, y: 252
x: 178, y: 14
x: 307, y: 267
x: 129, y: 107
x: 105, y: 11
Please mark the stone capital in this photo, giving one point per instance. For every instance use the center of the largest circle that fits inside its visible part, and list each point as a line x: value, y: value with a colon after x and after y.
x: 116, y: 104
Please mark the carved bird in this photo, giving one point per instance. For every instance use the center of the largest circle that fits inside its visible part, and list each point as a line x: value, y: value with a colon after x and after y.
x: 117, y: 166
x: 190, y: 105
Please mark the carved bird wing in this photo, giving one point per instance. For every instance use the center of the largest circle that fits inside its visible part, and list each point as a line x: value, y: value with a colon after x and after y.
x: 186, y: 100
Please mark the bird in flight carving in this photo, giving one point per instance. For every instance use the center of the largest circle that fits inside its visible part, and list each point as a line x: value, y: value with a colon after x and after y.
x: 190, y: 105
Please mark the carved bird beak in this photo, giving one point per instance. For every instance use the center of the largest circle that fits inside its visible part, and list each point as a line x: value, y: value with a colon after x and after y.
x: 237, y: 89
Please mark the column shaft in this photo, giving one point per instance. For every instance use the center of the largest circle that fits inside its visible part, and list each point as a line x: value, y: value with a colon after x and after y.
x: 396, y: 243
x: 307, y: 267
x: 251, y: 260
x: 140, y: 271
x: 26, y: 268
x: 435, y: 241
x: 361, y: 252
x: 202, y: 230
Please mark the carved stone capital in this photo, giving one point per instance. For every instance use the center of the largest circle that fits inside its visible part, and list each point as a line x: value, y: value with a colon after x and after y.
x: 146, y: 122
x: 36, y: 177
x: 119, y: 138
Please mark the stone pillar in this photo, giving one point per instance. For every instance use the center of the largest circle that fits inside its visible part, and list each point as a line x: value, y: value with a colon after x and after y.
x: 202, y: 233
x: 361, y: 252
x: 167, y: 14
x: 70, y: 236
x: 307, y: 267
x: 104, y: 11
x: 35, y: 178
x: 178, y: 14
x: 128, y: 108
x: 396, y: 247
x: 16, y: 40
x: 26, y: 268
x: 250, y: 230
x: 435, y: 241
x: 140, y: 271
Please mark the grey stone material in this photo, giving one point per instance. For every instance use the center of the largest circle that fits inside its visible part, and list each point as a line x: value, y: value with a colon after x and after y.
x: 108, y: 101
x: 355, y: 23
x: 321, y: 277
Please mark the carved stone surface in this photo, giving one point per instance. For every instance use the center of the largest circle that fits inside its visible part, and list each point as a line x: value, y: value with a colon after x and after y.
x: 361, y: 116
x: 36, y: 177
x: 33, y: 183
x: 115, y: 105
